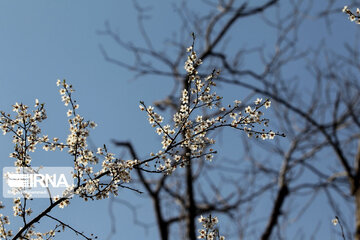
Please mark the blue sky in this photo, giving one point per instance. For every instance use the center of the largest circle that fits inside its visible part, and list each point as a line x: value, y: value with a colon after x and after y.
x: 42, y: 41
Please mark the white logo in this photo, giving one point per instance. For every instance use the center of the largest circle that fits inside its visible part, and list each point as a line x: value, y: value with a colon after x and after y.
x: 38, y: 182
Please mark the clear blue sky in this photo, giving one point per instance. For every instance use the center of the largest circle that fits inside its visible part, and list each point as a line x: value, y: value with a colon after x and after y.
x: 41, y: 41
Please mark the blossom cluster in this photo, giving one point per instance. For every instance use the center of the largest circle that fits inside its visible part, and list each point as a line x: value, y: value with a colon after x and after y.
x: 88, y: 180
x: 19, y: 211
x: 4, y: 220
x: 26, y: 136
x: 25, y: 130
x: 352, y: 17
x: 209, y: 231
x: 187, y: 136
x: 23, y: 126
x: 33, y: 235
